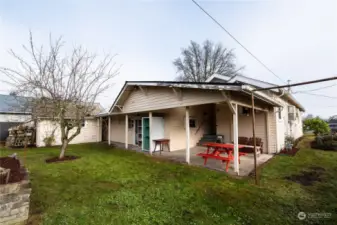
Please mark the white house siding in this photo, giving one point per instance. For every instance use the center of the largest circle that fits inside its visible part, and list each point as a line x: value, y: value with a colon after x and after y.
x: 224, y: 121
x: 272, y: 132
x: 44, y: 128
x: 157, y: 98
x: 246, y: 127
x: 224, y: 118
x: 175, y: 125
x: 14, y: 118
x: 117, y: 130
x: 284, y: 128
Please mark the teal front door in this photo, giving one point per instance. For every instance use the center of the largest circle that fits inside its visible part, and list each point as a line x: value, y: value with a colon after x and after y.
x: 146, y: 134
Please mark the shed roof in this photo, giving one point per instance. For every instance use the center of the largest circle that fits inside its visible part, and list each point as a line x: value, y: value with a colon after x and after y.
x: 11, y: 104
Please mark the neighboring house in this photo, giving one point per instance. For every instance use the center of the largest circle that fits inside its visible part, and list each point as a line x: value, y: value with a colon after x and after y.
x: 15, y: 110
x: 187, y: 112
x: 333, y: 123
x: 46, y: 126
x: 12, y: 113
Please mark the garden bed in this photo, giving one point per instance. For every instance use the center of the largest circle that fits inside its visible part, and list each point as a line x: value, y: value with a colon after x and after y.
x: 16, y: 172
x: 14, y: 195
x: 307, y: 178
x: 291, y: 152
x: 65, y: 158
x: 325, y: 147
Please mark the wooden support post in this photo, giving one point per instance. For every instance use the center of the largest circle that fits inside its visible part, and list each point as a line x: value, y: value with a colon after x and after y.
x: 187, y: 128
x: 254, y: 138
x: 267, y: 133
x: 236, y: 139
x: 109, y: 130
x: 150, y: 133
x: 99, y: 129
x: 126, y: 131
x: 100, y: 138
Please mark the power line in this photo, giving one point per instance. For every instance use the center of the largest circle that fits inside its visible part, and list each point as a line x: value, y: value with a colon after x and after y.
x: 330, y: 106
x: 316, y: 89
x: 237, y: 41
x: 326, y: 96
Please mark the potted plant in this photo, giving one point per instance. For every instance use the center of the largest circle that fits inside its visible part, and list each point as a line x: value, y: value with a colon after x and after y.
x: 289, y: 142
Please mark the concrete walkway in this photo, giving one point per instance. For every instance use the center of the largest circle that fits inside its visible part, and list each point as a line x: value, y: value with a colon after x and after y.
x: 246, y: 165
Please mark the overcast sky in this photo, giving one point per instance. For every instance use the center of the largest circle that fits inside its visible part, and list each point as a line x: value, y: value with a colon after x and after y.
x: 296, y: 39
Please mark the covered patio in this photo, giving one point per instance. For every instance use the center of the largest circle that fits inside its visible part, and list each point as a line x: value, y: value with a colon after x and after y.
x: 245, y: 168
x: 182, y: 113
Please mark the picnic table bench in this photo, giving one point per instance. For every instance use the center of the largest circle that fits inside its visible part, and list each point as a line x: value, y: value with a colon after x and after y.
x: 218, y: 149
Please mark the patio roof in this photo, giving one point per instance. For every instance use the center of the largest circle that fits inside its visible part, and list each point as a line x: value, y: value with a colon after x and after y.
x: 130, y: 85
x: 256, y: 83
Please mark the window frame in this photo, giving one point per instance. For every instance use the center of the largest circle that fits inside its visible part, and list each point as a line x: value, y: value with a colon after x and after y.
x: 195, y: 122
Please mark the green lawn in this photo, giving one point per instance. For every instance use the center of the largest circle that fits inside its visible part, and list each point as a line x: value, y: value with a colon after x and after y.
x: 111, y: 186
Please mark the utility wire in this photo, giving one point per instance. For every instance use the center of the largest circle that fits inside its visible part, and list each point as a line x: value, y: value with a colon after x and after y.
x: 326, y: 96
x: 237, y: 41
x: 315, y: 89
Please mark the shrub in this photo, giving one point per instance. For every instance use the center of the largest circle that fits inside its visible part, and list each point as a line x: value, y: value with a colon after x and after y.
x: 317, y: 125
x: 289, y: 142
x: 48, y: 141
x: 326, y: 142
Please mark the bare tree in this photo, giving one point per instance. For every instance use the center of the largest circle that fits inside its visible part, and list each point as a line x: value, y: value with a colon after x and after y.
x: 61, y: 87
x: 198, y: 63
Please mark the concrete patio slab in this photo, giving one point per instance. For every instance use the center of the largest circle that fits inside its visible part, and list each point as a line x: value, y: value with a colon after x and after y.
x: 246, y: 165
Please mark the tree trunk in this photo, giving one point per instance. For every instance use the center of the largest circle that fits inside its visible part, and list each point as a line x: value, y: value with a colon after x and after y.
x: 63, y: 148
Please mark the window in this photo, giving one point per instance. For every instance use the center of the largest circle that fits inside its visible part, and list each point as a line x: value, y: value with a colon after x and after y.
x: 280, y: 113
x: 130, y: 123
x: 193, y: 123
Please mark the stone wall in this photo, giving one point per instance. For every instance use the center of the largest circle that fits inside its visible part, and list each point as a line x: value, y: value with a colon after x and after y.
x: 14, y: 202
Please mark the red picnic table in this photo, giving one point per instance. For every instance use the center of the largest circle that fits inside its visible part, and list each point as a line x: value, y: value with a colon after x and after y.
x: 219, y: 148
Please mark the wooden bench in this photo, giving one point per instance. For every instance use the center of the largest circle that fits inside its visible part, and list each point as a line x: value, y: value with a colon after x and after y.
x: 248, y: 143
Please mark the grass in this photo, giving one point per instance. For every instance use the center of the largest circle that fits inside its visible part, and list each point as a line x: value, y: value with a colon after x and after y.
x: 111, y: 186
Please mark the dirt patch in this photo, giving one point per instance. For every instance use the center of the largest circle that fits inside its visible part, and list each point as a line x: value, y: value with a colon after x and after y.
x: 16, y: 172
x: 107, y: 185
x: 65, y: 158
x: 307, y: 178
x: 291, y: 152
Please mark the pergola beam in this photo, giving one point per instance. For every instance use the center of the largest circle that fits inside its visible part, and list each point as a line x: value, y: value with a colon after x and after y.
x: 143, y: 89
x: 249, y: 106
x: 228, y: 101
x: 120, y: 107
x: 178, y: 93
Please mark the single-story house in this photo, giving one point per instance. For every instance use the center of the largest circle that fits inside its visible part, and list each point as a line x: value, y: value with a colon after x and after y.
x: 16, y: 110
x: 12, y: 113
x: 46, y: 126
x: 187, y: 113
